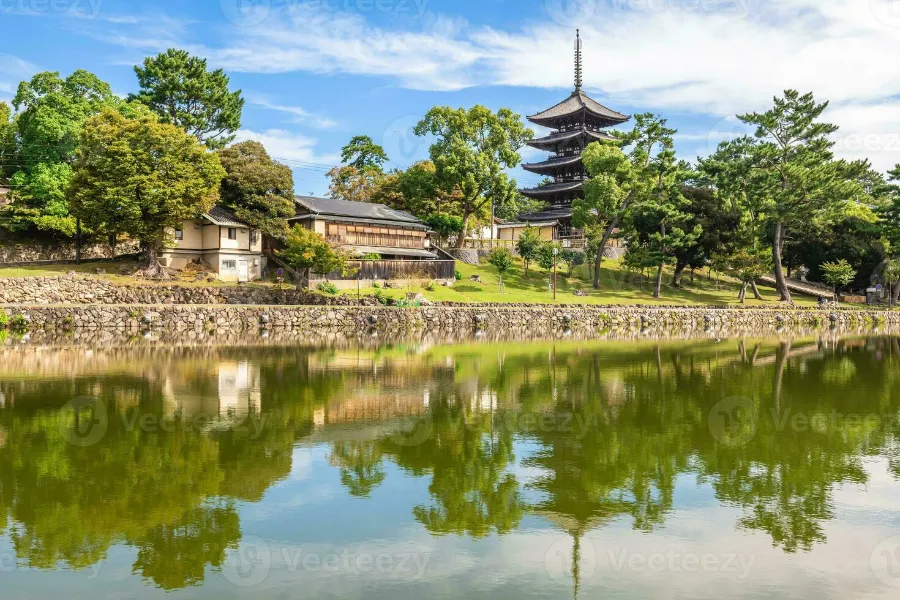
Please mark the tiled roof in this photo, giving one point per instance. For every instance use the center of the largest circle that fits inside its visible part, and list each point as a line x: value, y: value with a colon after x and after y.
x: 552, y: 163
x: 576, y: 102
x: 555, y: 138
x: 223, y: 217
x: 553, y: 188
x: 550, y: 214
x: 360, y: 210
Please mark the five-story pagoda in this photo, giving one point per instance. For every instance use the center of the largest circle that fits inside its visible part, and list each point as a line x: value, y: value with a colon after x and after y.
x: 575, y: 122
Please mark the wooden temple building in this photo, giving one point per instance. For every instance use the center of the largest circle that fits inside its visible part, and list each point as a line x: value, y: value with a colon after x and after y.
x: 574, y: 123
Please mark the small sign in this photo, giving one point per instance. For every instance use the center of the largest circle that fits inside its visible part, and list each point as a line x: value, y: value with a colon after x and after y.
x: 878, y: 288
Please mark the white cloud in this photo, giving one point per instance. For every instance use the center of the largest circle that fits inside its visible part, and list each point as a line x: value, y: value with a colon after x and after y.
x: 298, y: 114
x: 709, y: 57
x: 288, y: 146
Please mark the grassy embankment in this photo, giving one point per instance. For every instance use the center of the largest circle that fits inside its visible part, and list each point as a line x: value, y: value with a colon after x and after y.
x: 617, y: 286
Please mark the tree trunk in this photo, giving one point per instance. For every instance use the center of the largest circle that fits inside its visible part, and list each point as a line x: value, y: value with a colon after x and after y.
x: 659, y: 275
x: 755, y: 289
x: 780, y: 282
x: 605, y: 240
x: 676, y: 278
x: 152, y: 268
x: 743, y: 293
x: 895, y: 294
x: 461, y: 239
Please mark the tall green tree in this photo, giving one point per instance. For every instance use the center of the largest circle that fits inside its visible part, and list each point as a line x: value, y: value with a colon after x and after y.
x: 528, y: 246
x: 620, y: 179
x: 363, y: 153
x: 50, y: 112
x: 471, y: 152
x: 183, y: 92
x: 140, y: 176
x: 718, y: 224
x: 305, y: 249
x: 258, y: 189
x: 789, y: 164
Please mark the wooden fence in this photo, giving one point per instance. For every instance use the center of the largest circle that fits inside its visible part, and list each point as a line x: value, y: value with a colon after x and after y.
x: 394, y: 269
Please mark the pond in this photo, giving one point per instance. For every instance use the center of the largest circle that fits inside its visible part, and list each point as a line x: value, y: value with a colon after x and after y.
x: 747, y: 468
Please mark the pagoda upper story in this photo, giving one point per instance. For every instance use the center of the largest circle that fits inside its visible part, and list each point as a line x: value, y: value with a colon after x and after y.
x: 576, y: 122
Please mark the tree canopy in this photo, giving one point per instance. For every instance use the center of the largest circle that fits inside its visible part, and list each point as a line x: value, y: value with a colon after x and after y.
x: 258, y: 189
x: 472, y: 149
x: 183, y: 92
x: 39, y: 145
x: 140, y: 177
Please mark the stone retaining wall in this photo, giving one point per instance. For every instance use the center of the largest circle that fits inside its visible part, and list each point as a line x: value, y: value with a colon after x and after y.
x: 354, y: 320
x: 94, y: 290
x: 34, y: 253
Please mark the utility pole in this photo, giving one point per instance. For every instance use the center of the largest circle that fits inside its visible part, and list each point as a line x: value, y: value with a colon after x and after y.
x: 77, y: 241
x: 555, y: 257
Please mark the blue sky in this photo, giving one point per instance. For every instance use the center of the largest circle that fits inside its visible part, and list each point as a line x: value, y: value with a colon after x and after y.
x: 317, y: 72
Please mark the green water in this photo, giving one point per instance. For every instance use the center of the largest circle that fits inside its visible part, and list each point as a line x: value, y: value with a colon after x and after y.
x: 754, y: 469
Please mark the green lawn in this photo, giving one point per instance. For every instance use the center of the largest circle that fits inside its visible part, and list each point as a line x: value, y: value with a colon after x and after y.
x: 617, y: 287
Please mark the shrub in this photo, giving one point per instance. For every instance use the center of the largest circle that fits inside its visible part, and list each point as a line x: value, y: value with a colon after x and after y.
x: 19, y: 323
x: 376, y: 285
x: 4, y: 319
x: 327, y: 287
x: 458, y: 275
x: 428, y: 286
x: 502, y: 260
x: 382, y: 297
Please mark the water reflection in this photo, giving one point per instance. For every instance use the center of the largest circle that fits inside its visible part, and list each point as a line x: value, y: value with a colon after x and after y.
x: 576, y: 435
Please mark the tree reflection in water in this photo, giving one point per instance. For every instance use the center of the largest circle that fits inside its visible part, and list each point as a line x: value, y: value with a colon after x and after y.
x: 603, y: 431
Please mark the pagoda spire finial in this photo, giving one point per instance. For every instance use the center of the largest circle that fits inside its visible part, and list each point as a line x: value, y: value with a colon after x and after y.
x: 577, y: 60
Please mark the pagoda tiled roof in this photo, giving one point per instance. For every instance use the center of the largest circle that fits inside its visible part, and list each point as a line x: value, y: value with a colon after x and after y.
x: 553, y: 188
x: 550, y: 214
x: 552, y: 164
x: 574, y: 104
x: 561, y: 136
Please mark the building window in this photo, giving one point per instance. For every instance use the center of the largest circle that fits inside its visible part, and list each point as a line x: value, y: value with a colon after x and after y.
x: 232, y: 233
x: 229, y: 265
x: 179, y: 234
